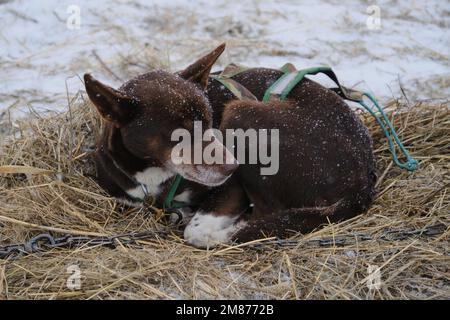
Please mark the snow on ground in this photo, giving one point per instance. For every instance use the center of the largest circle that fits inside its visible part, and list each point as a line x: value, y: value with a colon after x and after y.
x: 41, y: 58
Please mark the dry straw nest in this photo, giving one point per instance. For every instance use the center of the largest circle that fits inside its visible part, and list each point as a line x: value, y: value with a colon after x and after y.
x: 63, y: 195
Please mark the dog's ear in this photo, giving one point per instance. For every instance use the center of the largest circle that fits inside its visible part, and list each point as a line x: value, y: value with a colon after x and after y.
x: 113, y: 105
x: 198, y: 72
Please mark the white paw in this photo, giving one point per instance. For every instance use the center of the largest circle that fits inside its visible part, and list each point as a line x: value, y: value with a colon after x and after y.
x: 206, y: 230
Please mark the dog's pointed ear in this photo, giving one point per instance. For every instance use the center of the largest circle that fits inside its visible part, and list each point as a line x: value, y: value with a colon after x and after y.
x: 198, y: 72
x: 113, y: 105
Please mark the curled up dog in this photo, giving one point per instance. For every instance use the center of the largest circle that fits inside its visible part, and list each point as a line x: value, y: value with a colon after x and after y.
x: 238, y: 169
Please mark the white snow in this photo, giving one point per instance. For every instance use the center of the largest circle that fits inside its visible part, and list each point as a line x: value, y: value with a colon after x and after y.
x: 39, y: 54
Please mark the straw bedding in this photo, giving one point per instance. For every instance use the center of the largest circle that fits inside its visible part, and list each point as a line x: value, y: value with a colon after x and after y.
x: 62, y: 198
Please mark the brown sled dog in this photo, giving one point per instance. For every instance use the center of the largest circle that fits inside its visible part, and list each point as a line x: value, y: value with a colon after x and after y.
x: 326, y: 163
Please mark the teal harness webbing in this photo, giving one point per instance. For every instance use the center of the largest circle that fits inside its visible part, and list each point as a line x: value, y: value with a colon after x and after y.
x: 169, y: 203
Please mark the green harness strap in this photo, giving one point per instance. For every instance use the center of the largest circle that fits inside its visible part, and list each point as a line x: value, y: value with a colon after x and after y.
x: 410, y: 164
x: 238, y: 90
x: 280, y: 89
x: 241, y: 93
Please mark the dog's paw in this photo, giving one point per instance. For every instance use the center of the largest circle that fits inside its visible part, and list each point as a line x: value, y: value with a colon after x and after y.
x: 207, y: 230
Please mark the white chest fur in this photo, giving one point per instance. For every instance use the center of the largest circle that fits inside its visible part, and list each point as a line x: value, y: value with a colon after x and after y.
x: 152, y: 178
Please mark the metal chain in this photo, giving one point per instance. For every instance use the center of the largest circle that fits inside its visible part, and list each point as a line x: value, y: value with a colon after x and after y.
x: 44, y: 242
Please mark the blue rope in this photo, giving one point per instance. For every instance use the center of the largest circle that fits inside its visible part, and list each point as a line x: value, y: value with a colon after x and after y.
x: 411, y: 164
